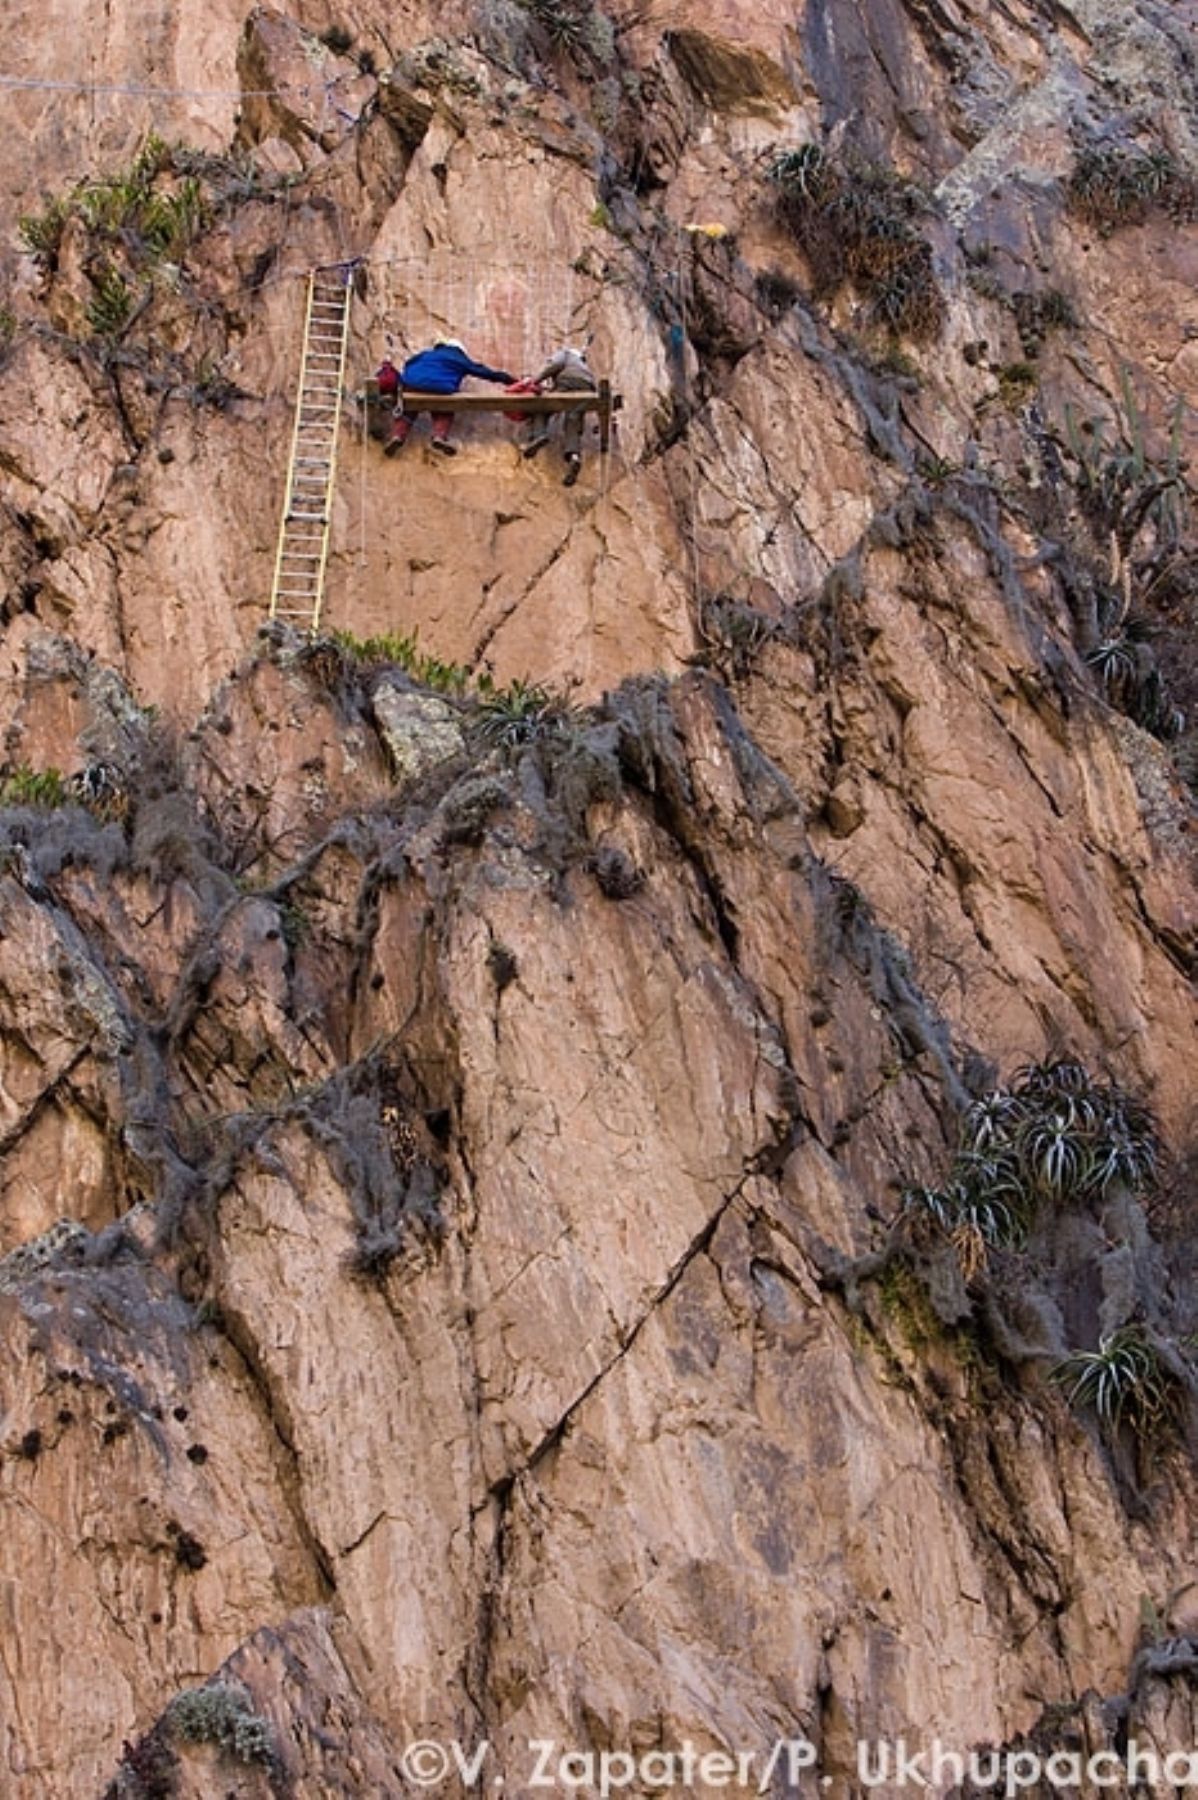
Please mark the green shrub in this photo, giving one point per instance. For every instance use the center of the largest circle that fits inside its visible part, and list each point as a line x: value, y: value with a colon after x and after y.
x: 1113, y: 185
x: 42, y: 233
x: 1121, y: 487
x: 1015, y: 382
x: 129, y: 212
x: 24, y: 786
x: 111, y: 306
x: 224, y: 1715
x: 855, y: 223
x: 402, y: 650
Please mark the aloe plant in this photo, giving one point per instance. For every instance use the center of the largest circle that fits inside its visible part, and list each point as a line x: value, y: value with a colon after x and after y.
x: 1052, y: 1136
x: 1123, y: 1380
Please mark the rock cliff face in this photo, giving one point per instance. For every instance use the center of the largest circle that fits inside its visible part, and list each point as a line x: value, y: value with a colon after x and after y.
x: 479, y: 1260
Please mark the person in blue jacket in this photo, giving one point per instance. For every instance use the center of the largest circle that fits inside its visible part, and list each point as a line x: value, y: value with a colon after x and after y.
x: 440, y: 370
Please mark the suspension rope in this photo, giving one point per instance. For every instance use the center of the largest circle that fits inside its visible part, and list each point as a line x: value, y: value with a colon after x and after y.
x: 691, y: 415
x: 362, y: 453
x: 38, y: 84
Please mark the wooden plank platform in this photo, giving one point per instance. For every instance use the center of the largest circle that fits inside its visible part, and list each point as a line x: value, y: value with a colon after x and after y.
x: 599, y: 400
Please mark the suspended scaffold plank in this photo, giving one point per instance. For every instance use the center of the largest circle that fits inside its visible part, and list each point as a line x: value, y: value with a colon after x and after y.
x: 600, y: 401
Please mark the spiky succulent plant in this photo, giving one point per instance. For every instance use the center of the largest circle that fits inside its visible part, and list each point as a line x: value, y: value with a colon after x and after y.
x: 1123, y: 1381
x: 1053, y: 1134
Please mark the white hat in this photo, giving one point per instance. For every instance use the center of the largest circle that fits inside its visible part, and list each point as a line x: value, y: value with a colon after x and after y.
x: 450, y: 344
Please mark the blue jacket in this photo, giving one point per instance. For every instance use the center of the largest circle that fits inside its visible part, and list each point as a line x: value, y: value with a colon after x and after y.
x: 442, y: 371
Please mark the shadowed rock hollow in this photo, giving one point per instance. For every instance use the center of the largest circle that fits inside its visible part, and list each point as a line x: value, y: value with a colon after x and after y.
x: 465, y: 1106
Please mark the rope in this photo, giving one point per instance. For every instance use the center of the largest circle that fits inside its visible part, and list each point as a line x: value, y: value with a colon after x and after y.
x: 37, y: 84
x: 362, y: 497
x: 684, y: 308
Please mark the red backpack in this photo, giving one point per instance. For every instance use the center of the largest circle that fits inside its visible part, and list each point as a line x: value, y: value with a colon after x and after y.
x: 387, y: 376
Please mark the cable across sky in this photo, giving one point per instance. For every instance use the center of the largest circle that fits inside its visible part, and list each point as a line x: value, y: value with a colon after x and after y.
x: 44, y: 84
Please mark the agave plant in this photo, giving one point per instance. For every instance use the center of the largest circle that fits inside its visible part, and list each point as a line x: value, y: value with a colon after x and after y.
x: 990, y: 1121
x: 1056, y: 1077
x: 995, y: 1216
x: 1055, y: 1156
x: 998, y: 1221
x: 1116, y: 665
x: 802, y: 174
x: 519, y: 714
x: 1054, y: 1134
x: 1124, y: 1379
x: 933, y: 1201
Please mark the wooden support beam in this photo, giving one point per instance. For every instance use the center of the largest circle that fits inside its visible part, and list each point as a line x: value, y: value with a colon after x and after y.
x: 606, y: 407
x: 535, y: 405
x: 600, y: 401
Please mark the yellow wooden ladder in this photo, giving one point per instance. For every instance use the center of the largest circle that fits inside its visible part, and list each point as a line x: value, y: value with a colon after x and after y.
x: 297, y: 591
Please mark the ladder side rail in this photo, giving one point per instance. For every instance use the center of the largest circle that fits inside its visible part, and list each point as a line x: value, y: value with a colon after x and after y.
x: 294, y: 453
x: 335, y: 433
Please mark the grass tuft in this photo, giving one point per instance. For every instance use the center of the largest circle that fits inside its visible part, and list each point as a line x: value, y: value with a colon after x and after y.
x: 1114, y: 185
x: 855, y: 222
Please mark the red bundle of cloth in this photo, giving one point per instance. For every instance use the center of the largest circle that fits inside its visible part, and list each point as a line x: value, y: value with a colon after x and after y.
x: 520, y: 387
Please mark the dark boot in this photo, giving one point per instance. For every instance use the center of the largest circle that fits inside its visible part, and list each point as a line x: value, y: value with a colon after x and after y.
x: 537, y: 443
x: 573, y: 465
x: 444, y: 446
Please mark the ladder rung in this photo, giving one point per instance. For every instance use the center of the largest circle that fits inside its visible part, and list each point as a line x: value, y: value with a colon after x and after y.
x: 303, y: 535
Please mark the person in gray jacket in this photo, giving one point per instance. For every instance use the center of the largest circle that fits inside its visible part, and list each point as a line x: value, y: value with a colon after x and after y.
x: 564, y: 373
